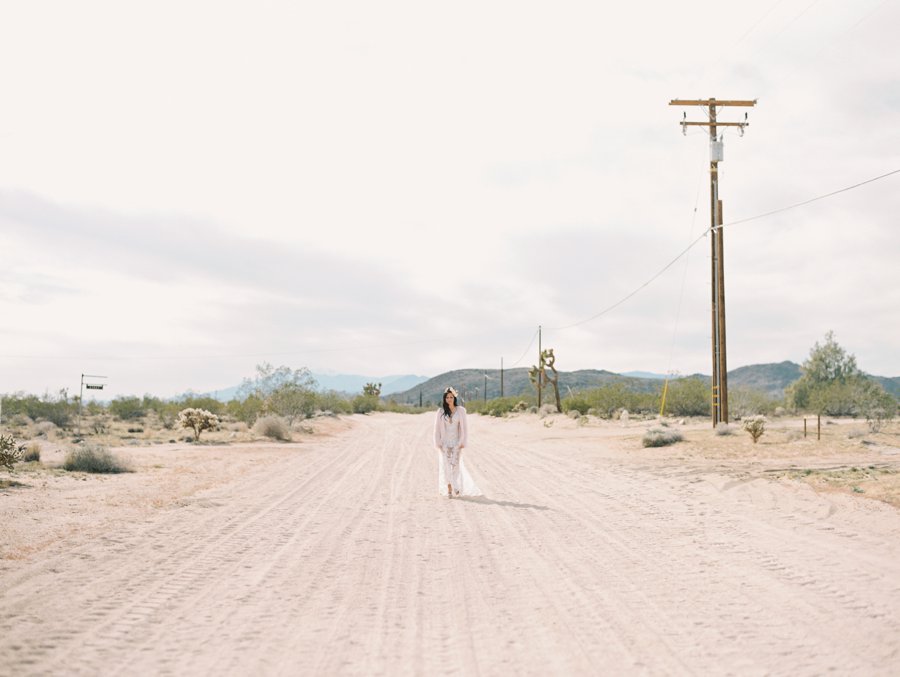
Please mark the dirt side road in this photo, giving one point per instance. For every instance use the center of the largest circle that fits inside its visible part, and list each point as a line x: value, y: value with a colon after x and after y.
x: 583, y: 558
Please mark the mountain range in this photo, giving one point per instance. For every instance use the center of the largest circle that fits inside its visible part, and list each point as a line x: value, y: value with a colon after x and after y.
x: 771, y: 379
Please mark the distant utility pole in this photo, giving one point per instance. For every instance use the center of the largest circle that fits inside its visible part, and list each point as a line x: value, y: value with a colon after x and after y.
x: 501, y: 377
x: 719, y: 390
x: 540, y: 368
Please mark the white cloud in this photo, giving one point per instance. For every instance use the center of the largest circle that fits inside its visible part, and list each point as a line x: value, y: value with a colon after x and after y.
x: 403, y: 188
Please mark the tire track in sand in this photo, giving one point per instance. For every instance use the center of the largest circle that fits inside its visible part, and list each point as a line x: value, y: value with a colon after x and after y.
x: 343, y: 559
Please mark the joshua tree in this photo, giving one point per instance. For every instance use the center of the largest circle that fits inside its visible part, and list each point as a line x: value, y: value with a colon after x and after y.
x: 539, y: 373
x: 372, y: 389
x: 548, y: 358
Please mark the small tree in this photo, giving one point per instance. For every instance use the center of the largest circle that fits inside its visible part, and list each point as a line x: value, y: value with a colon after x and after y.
x: 10, y: 451
x: 539, y: 378
x: 756, y: 426
x: 372, y: 389
x: 283, y: 391
x: 549, y: 359
x: 199, y: 420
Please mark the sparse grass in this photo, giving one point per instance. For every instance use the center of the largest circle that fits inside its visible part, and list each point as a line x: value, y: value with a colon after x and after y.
x: 32, y: 453
x: 94, y: 459
x: 661, y: 437
x: 878, y: 482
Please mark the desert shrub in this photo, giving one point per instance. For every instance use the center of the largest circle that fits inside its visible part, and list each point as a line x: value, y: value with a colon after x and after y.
x: 32, y: 453
x: 573, y: 413
x: 127, y: 408
x: 210, y: 404
x: 11, y: 451
x: 44, y: 429
x: 756, y: 426
x: 877, y: 418
x: 363, y: 404
x: 136, y: 430
x: 744, y: 401
x: 100, y: 425
x: 283, y: 391
x: 247, y: 410
x: 334, y: 402
x: 724, y: 429
x: 578, y: 403
x: 532, y: 409
x: 547, y: 410
x: 660, y: 437
x: 688, y: 397
x: 238, y: 427
x: 273, y: 427
x: 198, y: 420
x: 57, y: 409
x: 94, y: 459
x: 498, y: 406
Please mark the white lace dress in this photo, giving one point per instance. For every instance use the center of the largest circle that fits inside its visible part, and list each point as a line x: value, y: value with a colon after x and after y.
x: 449, y: 435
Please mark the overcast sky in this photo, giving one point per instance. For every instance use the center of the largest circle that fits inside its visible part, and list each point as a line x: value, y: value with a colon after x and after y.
x: 188, y: 189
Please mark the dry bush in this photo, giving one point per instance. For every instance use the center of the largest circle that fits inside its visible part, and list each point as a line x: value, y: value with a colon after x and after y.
x: 94, y: 459
x: 661, y: 437
x: 273, y: 427
x: 238, y: 427
x: 44, y: 429
x: 724, y: 429
x: 547, y: 410
x: 32, y: 453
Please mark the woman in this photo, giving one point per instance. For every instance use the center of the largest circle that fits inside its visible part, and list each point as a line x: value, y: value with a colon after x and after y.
x: 450, y: 438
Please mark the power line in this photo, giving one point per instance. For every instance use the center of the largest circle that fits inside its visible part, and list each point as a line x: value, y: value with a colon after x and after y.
x: 707, y: 231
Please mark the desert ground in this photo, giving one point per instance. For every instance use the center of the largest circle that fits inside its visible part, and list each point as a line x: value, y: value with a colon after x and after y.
x: 334, y: 554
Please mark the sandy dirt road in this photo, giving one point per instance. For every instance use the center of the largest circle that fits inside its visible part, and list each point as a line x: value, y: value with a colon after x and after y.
x: 584, y: 557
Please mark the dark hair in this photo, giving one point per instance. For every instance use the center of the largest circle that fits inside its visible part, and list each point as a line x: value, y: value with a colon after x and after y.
x: 446, y: 406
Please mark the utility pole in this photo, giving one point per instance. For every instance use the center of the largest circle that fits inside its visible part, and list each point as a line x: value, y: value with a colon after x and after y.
x: 540, y: 368
x: 719, y: 389
x: 501, y: 377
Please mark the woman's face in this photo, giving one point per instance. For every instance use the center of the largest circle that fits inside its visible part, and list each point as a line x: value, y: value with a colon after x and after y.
x: 448, y: 398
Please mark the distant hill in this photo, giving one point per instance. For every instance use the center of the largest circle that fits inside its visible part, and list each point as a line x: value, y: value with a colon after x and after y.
x: 471, y: 384
x: 351, y: 384
x: 644, y: 374
x: 890, y: 384
x: 771, y: 379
